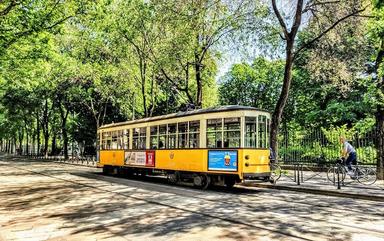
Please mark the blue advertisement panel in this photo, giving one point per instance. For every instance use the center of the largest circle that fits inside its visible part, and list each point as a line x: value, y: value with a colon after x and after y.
x: 222, y: 160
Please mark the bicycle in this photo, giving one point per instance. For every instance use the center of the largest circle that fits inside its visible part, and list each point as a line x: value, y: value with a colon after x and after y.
x: 364, y: 175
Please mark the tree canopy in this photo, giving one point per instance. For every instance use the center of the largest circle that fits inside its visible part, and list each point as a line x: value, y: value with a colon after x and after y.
x: 68, y: 67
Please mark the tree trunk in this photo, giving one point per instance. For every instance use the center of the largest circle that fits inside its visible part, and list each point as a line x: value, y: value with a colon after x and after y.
x: 54, y: 147
x: 199, y: 85
x: 380, y: 115
x: 380, y: 142
x: 46, y: 128
x: 64, y: 115
x: 21, y: 137
x: 8, y: 146
x: 143, y: 72
x: 14, y: 145
x: 27, y: 139
x: 278, y: 112
x: 38, y: 132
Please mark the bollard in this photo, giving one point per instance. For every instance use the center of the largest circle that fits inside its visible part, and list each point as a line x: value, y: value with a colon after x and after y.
x: 298, y: 174
x: 338, y: 178
x: 302, y: 174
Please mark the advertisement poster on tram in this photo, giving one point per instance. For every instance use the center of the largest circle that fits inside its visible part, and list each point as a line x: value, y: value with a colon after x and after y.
x: 222, y: 160
x: 137, y: 158
x: 140, y: 158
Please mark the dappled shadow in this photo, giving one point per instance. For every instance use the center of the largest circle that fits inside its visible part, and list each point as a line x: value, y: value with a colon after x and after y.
x: 148, y: 208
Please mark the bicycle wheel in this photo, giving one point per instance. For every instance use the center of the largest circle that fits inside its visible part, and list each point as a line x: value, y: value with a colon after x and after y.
x: 275, y: 172
x: 333, y: 172
x: 366, y: 175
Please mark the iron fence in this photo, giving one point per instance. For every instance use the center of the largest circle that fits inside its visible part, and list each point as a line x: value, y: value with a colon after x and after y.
x: 321, y: 146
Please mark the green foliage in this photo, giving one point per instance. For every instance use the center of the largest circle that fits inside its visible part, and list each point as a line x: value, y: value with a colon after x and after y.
x: 255, y: 85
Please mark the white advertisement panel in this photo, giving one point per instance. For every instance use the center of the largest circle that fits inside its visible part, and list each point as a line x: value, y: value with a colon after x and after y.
x: 136, y: 158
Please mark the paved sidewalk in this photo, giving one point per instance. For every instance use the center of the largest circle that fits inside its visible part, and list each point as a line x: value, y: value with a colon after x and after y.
x: 317, y: 183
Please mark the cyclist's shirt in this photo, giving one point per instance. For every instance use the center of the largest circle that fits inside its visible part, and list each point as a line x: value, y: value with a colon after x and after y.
x: 348, y: 147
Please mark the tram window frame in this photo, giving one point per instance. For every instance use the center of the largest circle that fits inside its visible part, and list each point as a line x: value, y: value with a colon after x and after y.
x: 154, y: 137
x: 139, y: 138
x: 114, y: 144
x: 143, y: 138
x: 162, y: 136
x: 135, y: 138
x: 250, y: 135
x: 261, y: 131
x: 182, y: 132
x: 120, y: 139
x: 231, y: 132
x: 106, y: 140
x: 194, y: 134
x: 214, y: 133
x: 172, y: 136
x: 126, y: 139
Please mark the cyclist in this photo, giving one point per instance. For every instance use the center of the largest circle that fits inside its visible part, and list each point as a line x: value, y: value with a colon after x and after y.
x: 349, y: 153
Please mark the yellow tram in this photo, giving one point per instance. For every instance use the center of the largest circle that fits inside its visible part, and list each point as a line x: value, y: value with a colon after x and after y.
x: 221, y: 146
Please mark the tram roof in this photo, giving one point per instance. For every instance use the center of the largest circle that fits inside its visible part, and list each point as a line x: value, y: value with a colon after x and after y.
x: 185, y: 113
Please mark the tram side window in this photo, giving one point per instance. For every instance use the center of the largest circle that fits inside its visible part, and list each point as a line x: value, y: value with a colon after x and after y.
x: 139, y: 138
x: 171, y: 136
x: 214, y: 133
x: 120, y: 141
x: 232, y: 132
x: 154, y: 139
x: 143, y: 138
x: 250, y: 132
x: 162, y: 136
x: 183, y: 134
x: 126, y: 139
x: 106, y: 140
x: 114, y: 140
x: 194, y: 134
x: 262, y: 130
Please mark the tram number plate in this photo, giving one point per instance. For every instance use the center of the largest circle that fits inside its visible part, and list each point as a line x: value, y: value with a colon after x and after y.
x: 222, y: 160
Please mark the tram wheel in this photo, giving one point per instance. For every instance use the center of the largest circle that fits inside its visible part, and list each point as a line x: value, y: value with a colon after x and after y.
x: 173, y: 177
x: 201, y: 180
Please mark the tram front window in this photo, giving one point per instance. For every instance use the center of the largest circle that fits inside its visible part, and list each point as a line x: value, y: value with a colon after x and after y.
x: 262, y: 131
x: 250, y: 132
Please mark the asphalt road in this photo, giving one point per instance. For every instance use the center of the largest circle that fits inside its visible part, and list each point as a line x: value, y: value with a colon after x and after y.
x: 51, y: 201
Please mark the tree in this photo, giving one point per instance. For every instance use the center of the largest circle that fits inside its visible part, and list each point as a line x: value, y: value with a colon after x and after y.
x: 289, y: 33
x: 377, y: 36
x: 22, y: 18
x: 192, y: 29
x: 255, y: 85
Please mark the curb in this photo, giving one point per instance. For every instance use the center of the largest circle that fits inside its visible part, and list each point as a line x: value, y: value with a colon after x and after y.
x: 320, y: 192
